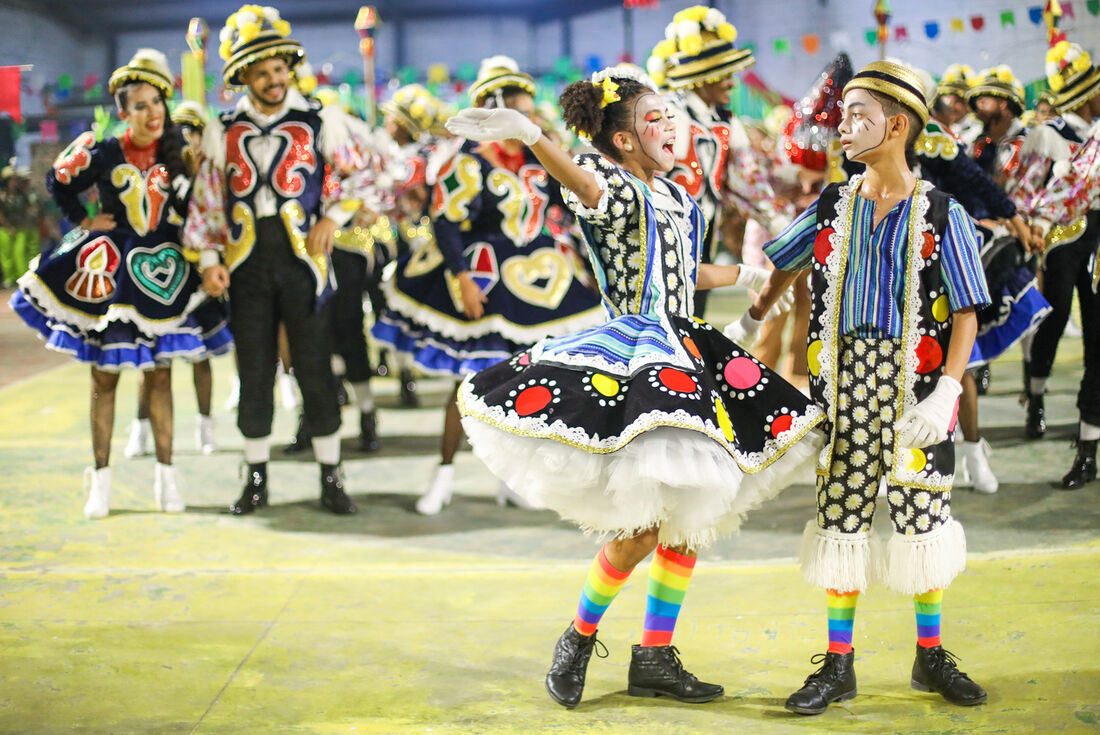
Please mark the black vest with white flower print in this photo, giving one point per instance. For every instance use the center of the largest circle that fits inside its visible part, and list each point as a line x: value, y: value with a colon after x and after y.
x: 926, y: 324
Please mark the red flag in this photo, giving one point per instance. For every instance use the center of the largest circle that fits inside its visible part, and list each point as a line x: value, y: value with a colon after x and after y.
x: 977, y: 22
x: 9, y: 92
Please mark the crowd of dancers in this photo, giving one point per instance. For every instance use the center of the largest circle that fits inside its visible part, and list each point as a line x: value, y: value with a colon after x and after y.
x: 555, y: 264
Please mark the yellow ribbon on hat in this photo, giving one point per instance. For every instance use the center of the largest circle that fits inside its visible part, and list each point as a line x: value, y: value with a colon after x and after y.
x: 610, y: 91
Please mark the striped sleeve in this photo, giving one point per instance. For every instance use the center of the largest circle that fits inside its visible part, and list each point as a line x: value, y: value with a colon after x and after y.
x: 959, y: 263
x: 794, y: 248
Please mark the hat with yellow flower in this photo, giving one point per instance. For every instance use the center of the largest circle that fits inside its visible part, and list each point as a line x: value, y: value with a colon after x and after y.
x: 997, y: 82
x: 252, y: 34
x: 191, y: 114
x: 414, y: 108
x: 956, y: 80
x: 149, y: 66
x: 1072, y: 76
x: 697, y: 48
x: 496, y: 73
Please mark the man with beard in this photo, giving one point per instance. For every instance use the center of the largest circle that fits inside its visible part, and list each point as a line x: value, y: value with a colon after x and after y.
x: 997, y: 99
x: 268, y: 201
x: 714, y: 157
x: 949, y: 106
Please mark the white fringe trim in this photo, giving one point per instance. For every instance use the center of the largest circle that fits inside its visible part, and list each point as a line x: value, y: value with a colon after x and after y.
x: 846, y: 562
x: 926, y: 561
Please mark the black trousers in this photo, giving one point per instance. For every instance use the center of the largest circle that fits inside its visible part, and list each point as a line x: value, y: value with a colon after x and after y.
x: 349, y: 336
x: 1068, y: 267
x: 271, y: 286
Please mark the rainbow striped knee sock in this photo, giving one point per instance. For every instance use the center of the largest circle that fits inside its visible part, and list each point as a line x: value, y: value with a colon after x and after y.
x: 603, y: 583
x: 842, y: 613
x: 669, y: 574
x: 928, y: 606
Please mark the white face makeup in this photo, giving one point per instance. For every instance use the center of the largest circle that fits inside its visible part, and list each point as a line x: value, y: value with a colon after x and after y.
x: 656, y: 133
x: 864, y: 125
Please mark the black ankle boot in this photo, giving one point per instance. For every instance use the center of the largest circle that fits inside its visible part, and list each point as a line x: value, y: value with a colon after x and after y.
x: 409, y: 398
x: 301, y: 441
x: 983, y: 376
x: 565, y: 680
x: 935, y: 670
x: 368, y: 432
x: 1036, y: 416
x: 1084, y: 466
x: 333, y: 496
x: 656, y: 671
x: 254, y: 494
x: 341, y: 392
x: 835, y: 681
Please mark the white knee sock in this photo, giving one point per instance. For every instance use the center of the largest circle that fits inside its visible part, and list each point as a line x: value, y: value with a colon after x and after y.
x: 364, y: 396
x: 1037, y: 386
x: 1089, y: 432
x: 257, y: 450
x: 327, y: 448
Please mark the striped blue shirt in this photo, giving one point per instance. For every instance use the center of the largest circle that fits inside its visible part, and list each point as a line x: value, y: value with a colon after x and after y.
x: 877, y: 266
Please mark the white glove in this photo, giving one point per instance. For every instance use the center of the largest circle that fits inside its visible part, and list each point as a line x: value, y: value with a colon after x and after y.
x: 752, y: 278
x: 743, y: 331
x: 928, y: 422
x: 478, y: 123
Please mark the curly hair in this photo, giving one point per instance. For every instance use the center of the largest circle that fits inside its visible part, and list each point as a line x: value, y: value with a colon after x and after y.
x: 581, y: 110
x: 171, y: 143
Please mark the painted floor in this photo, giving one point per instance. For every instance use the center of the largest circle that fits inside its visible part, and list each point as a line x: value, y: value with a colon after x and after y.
x: 296, y: 621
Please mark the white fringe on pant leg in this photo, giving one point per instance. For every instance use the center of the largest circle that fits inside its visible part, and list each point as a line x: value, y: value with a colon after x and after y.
x: 925, y: 561
x: 836, y: 560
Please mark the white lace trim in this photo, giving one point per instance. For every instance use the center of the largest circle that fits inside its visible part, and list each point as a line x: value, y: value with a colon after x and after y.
x: 43, y: 299
x: 471, y: 405
x: 448, y: 326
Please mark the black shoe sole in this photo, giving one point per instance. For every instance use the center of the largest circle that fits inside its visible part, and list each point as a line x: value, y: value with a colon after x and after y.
x: 647, y: 692
x: 968, y: 703
x: 807, y: 711
x: 562, y: 702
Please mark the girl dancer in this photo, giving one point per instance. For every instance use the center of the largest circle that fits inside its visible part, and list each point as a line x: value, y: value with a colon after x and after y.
x: 653, y: 427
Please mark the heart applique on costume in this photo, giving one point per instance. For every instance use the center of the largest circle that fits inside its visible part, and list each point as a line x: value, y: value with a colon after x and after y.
x: 541, y: 278
x: 159, y: 272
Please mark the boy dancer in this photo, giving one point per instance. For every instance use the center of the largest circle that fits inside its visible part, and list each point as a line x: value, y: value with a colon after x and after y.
x: 895, y: 282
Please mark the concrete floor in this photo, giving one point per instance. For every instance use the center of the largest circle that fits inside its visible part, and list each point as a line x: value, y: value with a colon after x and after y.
x: 294, y: 620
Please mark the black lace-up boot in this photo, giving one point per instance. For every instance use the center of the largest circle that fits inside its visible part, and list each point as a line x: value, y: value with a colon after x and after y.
x: 409, y: 397
x: 936, y: 670
x: 835, y: 681
x: 1036, y: 425
x: 565, y: 681
x: 368, y: 432
x: 333, y: 496
x: 1083, y: 470
x: 254, y: 494
x: 302, y: 439
x: 656, y: 671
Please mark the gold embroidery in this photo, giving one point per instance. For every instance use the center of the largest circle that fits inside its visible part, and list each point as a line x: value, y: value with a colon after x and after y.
x: 937, y: 145
x: 1063, y: 234
x: 521, y: 274
x: 238, y: 248
x: 294, y: 218
x: 459, y: 183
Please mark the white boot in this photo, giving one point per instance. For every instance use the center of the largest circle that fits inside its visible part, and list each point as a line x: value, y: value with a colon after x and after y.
x: 288, y: 391
x: 439, y: 492
x: 99, y: 492
x: 165, y: 492
x: 506, y: 496
x: 204, y: 434
x: 138, y: 443
x: 975, y: 466
x: 234, y: 394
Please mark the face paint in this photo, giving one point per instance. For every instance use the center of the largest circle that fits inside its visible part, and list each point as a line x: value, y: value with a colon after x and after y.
x: 863, y: 126
x: 655, y: 133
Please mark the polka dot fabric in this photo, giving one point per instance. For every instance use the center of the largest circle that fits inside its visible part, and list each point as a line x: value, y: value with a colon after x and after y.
x: 729, y: 396
x: 864, y: 445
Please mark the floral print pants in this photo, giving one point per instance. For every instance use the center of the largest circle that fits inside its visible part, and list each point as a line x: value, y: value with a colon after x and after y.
x: 866, y: 390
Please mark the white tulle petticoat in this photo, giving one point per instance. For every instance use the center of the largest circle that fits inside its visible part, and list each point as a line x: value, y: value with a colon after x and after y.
x: 679, y: 479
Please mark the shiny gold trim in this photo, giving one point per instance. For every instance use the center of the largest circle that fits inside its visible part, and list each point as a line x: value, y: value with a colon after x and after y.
x: 1064, y: 234
x: 894, y: 92
x: 681, y: 75
x: 482, y: 88
x: 274, y: 47
x: 1073, y: 96
x: 128, y: 74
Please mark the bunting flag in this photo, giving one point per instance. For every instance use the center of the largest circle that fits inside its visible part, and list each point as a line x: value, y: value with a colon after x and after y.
x: 782, y: 46
x: 1067, y: 10
x: 1035, y: 13
x: 977, y: 22
x: 931, y: 29
x: 871, y: 34
x: 1008, y: 18
x: 10, y: 87
x: 957, y: 25
x: 811, y: 42
x: 1093, y: 6
x: 901, y: 33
